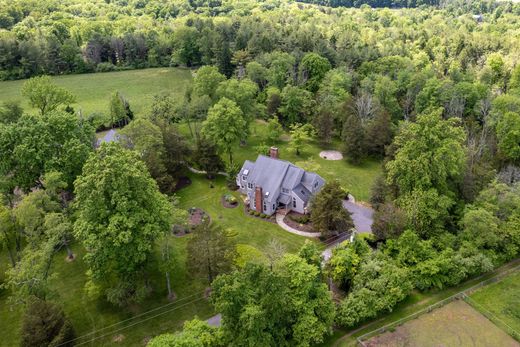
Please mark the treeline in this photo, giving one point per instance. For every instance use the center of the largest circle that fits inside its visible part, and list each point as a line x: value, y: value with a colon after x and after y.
x: 452, y: 5
x: 52, y: 37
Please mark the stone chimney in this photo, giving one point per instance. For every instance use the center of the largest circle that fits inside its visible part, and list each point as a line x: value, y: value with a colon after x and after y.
x: 273, y: 152
x: 258, y: 199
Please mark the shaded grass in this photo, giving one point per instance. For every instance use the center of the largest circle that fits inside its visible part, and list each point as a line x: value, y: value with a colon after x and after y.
x: 89, y: 315
x: 93, y: 91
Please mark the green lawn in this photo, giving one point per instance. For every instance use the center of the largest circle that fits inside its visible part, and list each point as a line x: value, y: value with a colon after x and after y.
x: 358, y: 179
x: 93, y: 91
x: 502, y: 299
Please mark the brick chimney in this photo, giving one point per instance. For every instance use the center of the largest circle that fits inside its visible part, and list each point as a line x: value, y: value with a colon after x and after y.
x: 258, y: 199
x: 273, y: 152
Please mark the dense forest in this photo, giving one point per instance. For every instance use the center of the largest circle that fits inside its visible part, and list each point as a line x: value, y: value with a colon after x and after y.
x: 431, y: 92
x: 55, y: 37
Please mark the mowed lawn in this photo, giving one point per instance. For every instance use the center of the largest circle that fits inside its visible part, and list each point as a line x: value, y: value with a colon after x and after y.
x: 455, y: 324
x: 502, y: 299
x: 93, y: 91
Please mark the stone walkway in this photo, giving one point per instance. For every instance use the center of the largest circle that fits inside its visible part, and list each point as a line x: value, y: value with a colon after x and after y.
x: 281, y: 223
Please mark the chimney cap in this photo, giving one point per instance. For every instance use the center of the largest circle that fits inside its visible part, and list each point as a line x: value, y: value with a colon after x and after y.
x: 273, y: 152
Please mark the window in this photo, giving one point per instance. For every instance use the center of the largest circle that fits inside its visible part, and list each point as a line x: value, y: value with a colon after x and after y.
x: 293, y: 202
x: 316, y: 185
x: 285, y: 190
x: 274, y: 207
x: 265, y: 207
x: 244, y: 178
x: 303, y: 192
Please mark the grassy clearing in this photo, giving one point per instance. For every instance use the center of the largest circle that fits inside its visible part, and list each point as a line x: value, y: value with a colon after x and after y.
x: 93, y: 91
x: 502, y: 299
x: 455, y: 324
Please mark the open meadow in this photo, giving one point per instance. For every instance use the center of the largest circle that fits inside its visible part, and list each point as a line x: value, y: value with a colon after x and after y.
x: 93, y: 91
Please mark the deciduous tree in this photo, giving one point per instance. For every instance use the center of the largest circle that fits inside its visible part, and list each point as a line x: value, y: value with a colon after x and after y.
x: 46, y: 96
x: 225, y: 126
x: 210, y: 251
x: 120, y: 213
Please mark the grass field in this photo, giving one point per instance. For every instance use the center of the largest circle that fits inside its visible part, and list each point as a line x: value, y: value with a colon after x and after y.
x: 455, y: 324
x: 502, y: 299
x: 93, y: 91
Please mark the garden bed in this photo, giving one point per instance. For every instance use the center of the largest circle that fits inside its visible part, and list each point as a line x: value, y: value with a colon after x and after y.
x: 257, y: 215
x: 229, y: 201
x: 299, y: 222
x: 197, y: 215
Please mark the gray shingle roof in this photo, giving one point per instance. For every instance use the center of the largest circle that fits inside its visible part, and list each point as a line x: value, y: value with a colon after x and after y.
x: 274, y: 174
x: 268, y: 173
x: 302, y: 192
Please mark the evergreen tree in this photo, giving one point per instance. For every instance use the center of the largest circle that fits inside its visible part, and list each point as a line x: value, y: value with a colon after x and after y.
x: 327, y: 211
x: 45, y: 324
x: 353, y: 139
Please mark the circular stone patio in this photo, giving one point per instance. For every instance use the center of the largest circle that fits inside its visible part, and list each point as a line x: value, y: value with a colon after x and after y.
x: 331, y: 155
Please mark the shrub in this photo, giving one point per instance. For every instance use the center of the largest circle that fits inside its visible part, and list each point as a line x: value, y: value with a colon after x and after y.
x: 251, y: 212
x: 230, y: 199
x: 105, y: 67
x: 257, y: 213
x: 303, y: 219
x: 263, y: 215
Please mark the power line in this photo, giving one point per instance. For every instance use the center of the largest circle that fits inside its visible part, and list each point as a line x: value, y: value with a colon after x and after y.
x: 133, y: 317
x: 130, y: 325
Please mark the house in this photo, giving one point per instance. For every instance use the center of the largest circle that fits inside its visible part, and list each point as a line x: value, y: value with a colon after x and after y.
x: 271, y: 184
